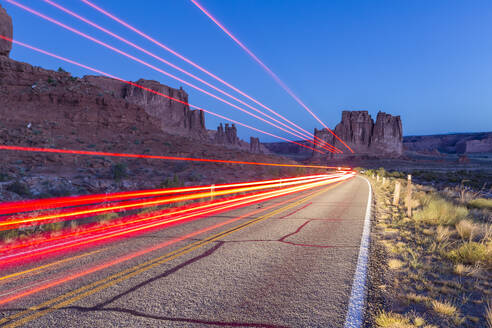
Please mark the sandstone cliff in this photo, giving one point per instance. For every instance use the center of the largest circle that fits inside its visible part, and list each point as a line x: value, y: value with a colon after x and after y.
x: 5, y: 30
x: 172, y: 116
x: 358, y: 130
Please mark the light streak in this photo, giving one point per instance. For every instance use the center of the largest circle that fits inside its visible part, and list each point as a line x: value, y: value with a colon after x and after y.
x: 140, y: 218
x: 14, y: 223
x: 42, y: 251
x: 150, y: 90
x: 267, y: 69
x: 180, y: 56
x: 48, y: 203
x: 148, y: 250
x: 122, y: 259
x: 296, y: 133
x: 125, y: 155
x: 71, y: 29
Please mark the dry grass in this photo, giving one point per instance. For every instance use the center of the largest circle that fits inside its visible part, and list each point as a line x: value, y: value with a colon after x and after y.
x: 395, y: 264
x: 392, y: 320
x: 482, y: 203
x: 472, y: 253
x: 488, y: 314
x: 416, y: 298
x: 443, y: 233
x: 437, y: 210
x: 462, y: 269
x: 418, y: 321
x: 445, y: 308
x: 466, y: 229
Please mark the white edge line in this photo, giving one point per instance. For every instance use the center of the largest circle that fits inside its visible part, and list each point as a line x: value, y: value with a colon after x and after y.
x: 355, y: 312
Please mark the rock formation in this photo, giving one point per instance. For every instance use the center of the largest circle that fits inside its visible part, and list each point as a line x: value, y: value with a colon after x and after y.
x: 5, y: 30
x: 174, y: 117
x: 254, y: 145
x: 227, y: 135
x: 358, y: 130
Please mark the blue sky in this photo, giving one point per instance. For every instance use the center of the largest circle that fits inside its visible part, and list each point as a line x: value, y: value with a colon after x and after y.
x: 428, y: 61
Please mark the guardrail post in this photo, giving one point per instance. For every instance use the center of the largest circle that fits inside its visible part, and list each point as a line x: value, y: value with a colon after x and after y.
x: 396, y: 196
x: 409, y: 196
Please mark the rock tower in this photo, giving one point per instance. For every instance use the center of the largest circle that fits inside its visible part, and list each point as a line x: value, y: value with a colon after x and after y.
x: 6, y: 30
x: 358, y: 130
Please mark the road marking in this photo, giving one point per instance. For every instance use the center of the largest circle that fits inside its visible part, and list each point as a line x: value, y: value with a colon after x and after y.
x: 17, y: 274
x: 73, y: 296
x: 355, y: 312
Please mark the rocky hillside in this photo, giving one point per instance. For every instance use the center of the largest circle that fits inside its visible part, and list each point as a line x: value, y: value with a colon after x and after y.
x: 457, y: 143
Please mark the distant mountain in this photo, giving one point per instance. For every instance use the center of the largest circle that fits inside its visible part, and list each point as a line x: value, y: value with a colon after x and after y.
x: 479, y: 142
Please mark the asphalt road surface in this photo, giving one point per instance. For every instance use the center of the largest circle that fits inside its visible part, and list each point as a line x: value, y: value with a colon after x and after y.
x: 290, y: 263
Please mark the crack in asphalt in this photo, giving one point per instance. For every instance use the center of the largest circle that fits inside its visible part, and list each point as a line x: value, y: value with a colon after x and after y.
x: 191, y: 320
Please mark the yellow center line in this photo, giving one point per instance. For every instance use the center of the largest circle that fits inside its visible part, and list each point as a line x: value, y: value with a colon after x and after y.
x: 111, y: 280
x: 46, y: 266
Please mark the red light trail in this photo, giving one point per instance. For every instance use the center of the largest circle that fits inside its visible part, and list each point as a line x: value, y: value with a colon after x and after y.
x: 180, y: 56
x: 48, y: 203
x: 206, y: 160
x: 128, y: 205
x: 133, y: 255
x: 140, y: 225
x: 267, y: 69
x: 71, y: 29
x: 296, y: 133
x: 150, y: 90
x: 141, y: 218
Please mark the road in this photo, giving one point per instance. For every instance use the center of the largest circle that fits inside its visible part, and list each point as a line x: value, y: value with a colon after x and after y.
x: 287, y: 262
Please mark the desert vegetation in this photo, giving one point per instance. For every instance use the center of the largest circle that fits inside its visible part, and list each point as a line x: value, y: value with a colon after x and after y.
x: 435, y: 248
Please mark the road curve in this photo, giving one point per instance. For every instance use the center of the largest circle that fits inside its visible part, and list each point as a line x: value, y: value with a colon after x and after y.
x: 287, y: 262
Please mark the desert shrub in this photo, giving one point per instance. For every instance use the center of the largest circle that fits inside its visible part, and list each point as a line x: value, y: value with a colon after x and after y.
x: 472, y: 253
x: 396, y: 174
x: 119, y: 171
x: 51, y: 81
x: 466, y: 229
x: 436, y: 210
x: 444, y: 308
x: 482, y: 203
x: 9, y: 234
x: 392, y: 320
x: 4, y: 177
x: 174, y: 182
x: 19, y: 188
x: 381, y: 172
x: 106, y: 217
x: 61, y: 70
x: 53, y: 226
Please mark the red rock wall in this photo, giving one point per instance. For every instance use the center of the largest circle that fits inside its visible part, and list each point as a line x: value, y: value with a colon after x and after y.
x: 358, y: 130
